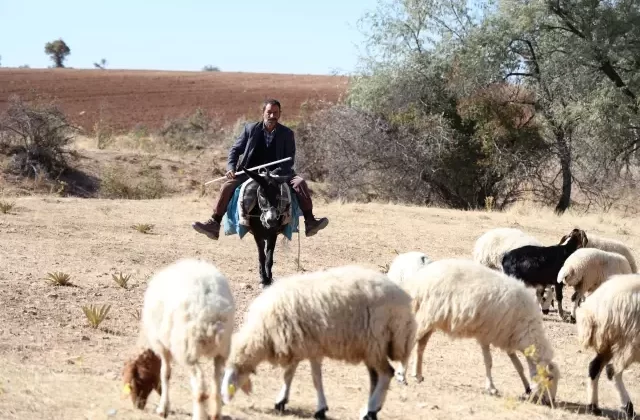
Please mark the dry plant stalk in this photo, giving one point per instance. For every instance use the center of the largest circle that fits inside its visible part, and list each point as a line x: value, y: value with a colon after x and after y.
x: 95, y: 315
x: 542, y: 378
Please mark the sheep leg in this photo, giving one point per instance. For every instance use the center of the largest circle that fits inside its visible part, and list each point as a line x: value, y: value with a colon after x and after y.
x: 516, y: 363
x: 283, y: 397
x: 558, y: 288
x: 417, y: 367
x: 488, y: 364
x: 198, y: 392
x: 625, y: 400
x: 576, y: 303
x: 218, y: 366
x: 379, y: 385
x: 595, y: 368
x: 271, y: 246
x: 165, y: 373
x: 316, y: 374
x: 261, y: 259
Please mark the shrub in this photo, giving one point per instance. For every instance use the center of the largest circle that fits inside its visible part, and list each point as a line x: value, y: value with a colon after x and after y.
x: 36, y: 136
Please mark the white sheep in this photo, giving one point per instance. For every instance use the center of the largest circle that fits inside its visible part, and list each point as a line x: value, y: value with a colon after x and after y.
x: 188, y: 314
x: 352, y: 314
x: 491, y: 246
x: 465, y: 299
x: 608, y: 322
x: 611, y: 245
x: 406, y: 264
x: 587, y: 268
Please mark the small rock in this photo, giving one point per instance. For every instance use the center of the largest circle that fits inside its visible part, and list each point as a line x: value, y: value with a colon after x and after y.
x: 112, y: 412
x: 85, y: 338
x: 53, y: 295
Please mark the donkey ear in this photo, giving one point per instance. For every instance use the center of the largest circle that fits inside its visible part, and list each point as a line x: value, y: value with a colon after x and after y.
x: 253, y: 175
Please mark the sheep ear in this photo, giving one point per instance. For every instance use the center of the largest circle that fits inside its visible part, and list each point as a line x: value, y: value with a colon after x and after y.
x: 247, y: 386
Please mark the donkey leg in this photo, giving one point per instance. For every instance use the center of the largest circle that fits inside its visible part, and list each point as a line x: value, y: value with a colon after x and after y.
x: 261, y: 259
x: 271, y: 246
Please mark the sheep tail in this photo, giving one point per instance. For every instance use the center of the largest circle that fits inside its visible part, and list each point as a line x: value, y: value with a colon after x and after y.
x: 587, y: 329
x: 402, y: 341
x: 206, y: 335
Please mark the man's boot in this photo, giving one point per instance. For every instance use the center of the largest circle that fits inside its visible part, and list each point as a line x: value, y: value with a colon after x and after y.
x: 313, y: 225
x: 211, y: 228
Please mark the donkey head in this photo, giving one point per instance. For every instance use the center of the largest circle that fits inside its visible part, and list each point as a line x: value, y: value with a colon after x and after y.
x: 269, y: 197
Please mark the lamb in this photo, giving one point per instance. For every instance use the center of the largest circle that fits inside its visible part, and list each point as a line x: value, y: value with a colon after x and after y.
x: 538, y: 266
x: 465, y: 299
x: 611, y: 245
x: 491, y: 246
x: 188, y: 314
x: 405, y: 264
x: 608, y: 322
x: 349, y: 313
x: 587, y: 268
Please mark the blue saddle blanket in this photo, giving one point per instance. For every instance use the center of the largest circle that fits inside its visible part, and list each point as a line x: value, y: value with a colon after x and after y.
x: 231, y: 219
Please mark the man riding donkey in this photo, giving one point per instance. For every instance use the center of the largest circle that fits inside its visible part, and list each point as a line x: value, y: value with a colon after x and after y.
x: 259, y: 143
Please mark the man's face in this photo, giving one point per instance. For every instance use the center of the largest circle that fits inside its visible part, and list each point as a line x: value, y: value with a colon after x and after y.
x: 271, y: 114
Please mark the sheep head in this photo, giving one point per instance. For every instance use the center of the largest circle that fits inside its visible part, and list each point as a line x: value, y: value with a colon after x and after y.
x: 140, y: 377
x: 233, y: 379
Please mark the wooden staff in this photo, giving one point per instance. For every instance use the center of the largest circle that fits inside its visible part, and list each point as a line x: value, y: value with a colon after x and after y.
x: 251, y: 169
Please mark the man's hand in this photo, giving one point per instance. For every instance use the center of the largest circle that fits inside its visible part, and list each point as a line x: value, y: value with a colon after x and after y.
x: 230, y: 174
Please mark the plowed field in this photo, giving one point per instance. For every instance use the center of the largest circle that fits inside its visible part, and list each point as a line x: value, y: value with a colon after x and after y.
x: 126, y: 98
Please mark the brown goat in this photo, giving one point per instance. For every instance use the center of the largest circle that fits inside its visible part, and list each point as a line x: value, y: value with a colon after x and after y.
x: 141, y: 376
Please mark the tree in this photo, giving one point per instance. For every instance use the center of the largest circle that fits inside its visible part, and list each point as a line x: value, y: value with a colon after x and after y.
x: 58, y: 50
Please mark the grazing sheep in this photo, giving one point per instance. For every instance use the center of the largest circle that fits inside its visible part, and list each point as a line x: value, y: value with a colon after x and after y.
x: 188, y: 314
x: 491, y: 246
x: 611, y: 245
x: 588, y: 268
x: 608, y: 323
x: 405, y: 265
x: 538, y: 266
x: 465, y: 299
x: 352, y: 314
x: 141, y: 376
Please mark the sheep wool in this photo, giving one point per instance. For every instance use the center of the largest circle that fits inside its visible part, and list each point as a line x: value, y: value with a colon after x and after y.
x: 587, y: 268
x: 350, y: 313
x: 188, y: 314
x: 608, y: 323
x: 465, y: 299
x: 612, y: 245
x: 491, y: 246
x: 406, y: 264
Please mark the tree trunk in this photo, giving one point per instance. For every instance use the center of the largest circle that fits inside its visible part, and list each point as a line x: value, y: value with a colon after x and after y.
x: 565, y: 164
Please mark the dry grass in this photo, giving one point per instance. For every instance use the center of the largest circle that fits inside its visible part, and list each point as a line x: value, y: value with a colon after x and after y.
x: 54, y: 365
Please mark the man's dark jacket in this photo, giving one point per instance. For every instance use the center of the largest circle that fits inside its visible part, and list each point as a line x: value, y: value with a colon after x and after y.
x: 246, y: 142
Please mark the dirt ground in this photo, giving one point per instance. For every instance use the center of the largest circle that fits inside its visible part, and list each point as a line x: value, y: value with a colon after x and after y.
x: 124, y: 99
x: 54, y: 366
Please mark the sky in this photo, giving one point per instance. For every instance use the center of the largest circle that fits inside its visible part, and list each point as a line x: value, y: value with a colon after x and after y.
x: 277, y: 36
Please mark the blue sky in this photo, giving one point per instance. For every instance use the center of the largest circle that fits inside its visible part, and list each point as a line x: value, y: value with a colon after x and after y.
x: 285, y: 36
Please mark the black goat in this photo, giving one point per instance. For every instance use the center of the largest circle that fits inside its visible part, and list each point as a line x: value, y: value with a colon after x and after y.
x: 538, y: 266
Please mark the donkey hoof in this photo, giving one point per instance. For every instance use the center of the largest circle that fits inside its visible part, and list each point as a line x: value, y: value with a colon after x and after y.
x: 321, y: 414
x: 371, y: 415
x: 594, y: 409
x: 281, y: 405
x: 629, y: 411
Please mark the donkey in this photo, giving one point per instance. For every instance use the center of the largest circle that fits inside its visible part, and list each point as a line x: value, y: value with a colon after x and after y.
x: 266, y: 218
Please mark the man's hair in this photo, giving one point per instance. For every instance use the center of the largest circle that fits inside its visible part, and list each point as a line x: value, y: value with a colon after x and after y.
x: 270, y: 102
